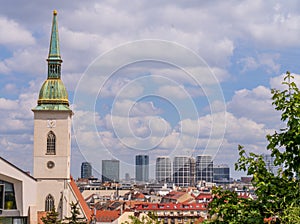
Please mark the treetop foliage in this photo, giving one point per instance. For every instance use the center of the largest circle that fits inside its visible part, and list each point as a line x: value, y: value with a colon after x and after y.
x: 278, y: 195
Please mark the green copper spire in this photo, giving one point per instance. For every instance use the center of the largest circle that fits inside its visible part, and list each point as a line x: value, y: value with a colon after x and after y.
x: 54, y: 59
x: 53, y: 94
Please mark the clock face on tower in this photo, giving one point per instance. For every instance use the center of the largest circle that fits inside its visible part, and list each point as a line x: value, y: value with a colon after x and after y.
x: 50, y: 164
x: 51, y: 123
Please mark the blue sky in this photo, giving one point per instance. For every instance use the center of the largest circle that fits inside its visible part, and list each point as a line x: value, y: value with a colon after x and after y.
x: 156, y: 76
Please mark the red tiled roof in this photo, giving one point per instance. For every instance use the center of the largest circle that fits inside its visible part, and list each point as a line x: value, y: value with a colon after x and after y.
x: 171, y: 206
x: 175, y: 194
x: 243, y: 195
x: 200, y: 220
x: 270, y: 220
x: 133, y: 204
x: 107, y: 215
x: 86, y: 210
x: 139, y: 195
x: 203, y: 195
x: 41, y: 214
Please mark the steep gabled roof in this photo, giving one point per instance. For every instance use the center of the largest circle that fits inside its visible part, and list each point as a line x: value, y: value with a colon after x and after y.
x: 85, y: 208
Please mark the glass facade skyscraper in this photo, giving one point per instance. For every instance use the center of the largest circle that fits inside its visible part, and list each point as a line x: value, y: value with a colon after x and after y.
x: 142, y: 168
x: 269, y: 161
x: 110, y: 170
x: 86, y: 170
x: 221, y: 174
x: 192, y: 171
x: 204, y: 168
x: 163, y: 169
x: 182, y: 171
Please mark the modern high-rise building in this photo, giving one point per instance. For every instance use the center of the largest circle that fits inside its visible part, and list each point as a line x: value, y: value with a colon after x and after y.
x: 204, y: 168
x: 163, y: 169
x: 86, y: 170
x: 269, y: 161
x: 192, y: 171
x: 182, y: 171
x: 221, y: 174
x: 142, y: 168
x: 127, y: 177
x: 110, y: 170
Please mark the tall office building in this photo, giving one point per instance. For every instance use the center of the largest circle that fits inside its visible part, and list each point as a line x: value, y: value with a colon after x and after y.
x: 163, y: 169
x: 204, y: 168
x: 110, y: 170
x: 127, y: 177
x: 192, y: 171
x: 86, y: 170
x: 269, y: 161
x: 142, y: 168
x: 221, y: 174
x: 182, y: 171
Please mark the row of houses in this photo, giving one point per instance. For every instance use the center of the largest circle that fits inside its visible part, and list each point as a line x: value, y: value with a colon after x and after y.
x: 182, y: 205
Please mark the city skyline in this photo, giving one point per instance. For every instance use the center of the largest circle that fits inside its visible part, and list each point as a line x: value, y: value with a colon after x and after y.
x: 148, y: 106
x: 182, y: 170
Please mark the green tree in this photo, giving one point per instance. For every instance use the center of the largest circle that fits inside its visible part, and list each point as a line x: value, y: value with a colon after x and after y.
x: 51, y: 217
x: 278, y: 196
x: 74, y: 218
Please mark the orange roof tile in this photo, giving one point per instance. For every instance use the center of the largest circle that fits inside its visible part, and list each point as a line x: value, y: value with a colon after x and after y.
x: 139, y: 195
x: 41, y: 214
x: 171, y: 206
x: 86, y: 210
x: 135, y: 203
x: 243, y: 195
x: 175, y: 194
x: 107, y: 215
x: 204, y: 195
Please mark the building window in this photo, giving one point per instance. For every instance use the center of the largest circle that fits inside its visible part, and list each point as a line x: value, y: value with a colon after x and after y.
x: 7, y: 196
x: 19, y: 220
x: 49, y: 203
x: 1, y: 196
x: 51, y: 140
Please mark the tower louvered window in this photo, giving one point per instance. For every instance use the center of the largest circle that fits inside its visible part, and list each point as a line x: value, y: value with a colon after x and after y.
x: 51, y: 142
x: 49, y: 203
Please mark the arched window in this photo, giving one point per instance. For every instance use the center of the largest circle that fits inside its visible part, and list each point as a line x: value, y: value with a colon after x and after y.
x: 51, y: 139
x: 49, y: 203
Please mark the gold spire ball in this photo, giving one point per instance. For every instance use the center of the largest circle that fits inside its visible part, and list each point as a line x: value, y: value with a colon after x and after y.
x: 54, y: 12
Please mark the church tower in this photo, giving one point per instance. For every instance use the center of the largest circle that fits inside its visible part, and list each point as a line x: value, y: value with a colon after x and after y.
x: 52, y: 135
